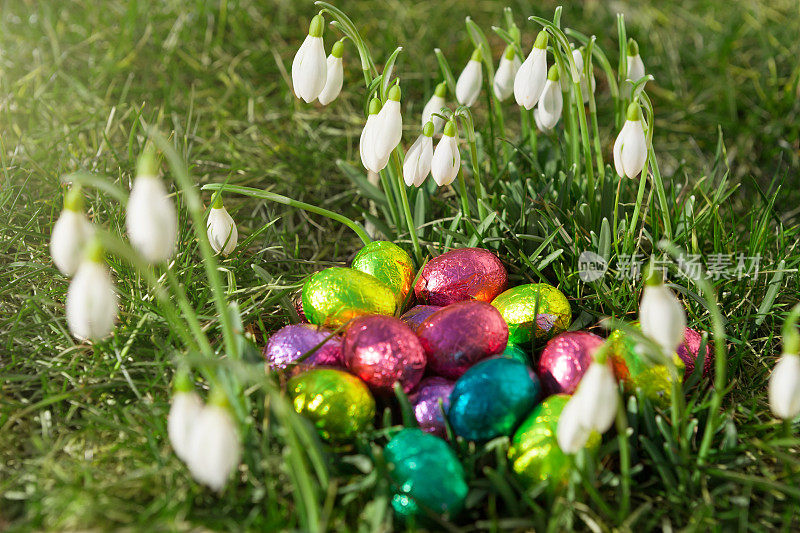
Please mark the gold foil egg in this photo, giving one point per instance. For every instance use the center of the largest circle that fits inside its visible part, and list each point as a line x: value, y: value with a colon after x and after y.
x: 535, y: 309
x: 333, y: 296
x: 388, y: 263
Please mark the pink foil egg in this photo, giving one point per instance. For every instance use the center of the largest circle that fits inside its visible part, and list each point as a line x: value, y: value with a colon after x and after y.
x: 689, y: 350
x: 565, y: 359
x: 425, y: 402
x: 290, y: 342
x: 418, y: 314
x: 459, y: 335
x: 462, y: 274
x: 382, y: 350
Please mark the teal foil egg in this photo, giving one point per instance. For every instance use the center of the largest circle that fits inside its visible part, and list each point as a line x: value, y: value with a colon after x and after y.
x: 491, y: 398
x: 426, y: 475
x: 516, y: 353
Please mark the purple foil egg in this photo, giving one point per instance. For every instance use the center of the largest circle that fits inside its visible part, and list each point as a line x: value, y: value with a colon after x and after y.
x: 459, y: 335
x: 689, y: 350
x: 418, y: 314
x: 287, y: 344
x: 462, y: 274
x: 382, y: 350
x: 425, y: 402
x: 565, y: 359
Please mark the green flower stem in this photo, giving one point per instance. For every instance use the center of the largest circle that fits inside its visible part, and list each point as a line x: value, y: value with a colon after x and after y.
x: 624, y: 458
x: 622, y: 72
x: 658, y: 183
x: 466, y: 119
x: 390, y: 192
x: 677, y: 403
x: 412, y: 230
x: 636, y: 208
x: 587, y: 147
x: 266, y: 195
x: 598, y: 147
x: 462, y: 185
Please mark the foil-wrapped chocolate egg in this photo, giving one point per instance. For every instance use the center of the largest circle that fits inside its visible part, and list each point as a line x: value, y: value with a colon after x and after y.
x: 333, y: 296
x: 291, y: 342
x: 459, y: 335
x: 382, y: 350
x: 690, y: 349
x: 535, y: 310
x: 418, y: 314
x: 565, y: 359
x: 534, y: 452
x: 297, y: 302
x: 491, y: 398
x: 425, y: 402
x: 462, y: 274
x: 388, y: 263
x: 337, y: 403
x: 516, y: 353
x: 426, y: 474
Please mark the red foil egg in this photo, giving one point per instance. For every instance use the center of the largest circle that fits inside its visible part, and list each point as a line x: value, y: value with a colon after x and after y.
x: 418, y: 314
x: 462, y: 274
x: 565, y: 359
x: 689, y: 350
x: 382, y: 350
x: 459, y: 335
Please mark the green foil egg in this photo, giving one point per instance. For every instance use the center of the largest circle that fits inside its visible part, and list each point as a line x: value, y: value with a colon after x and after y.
x: 390, y: 264
x: 339, y: 404
x: 333, y: 296
x: 426, y: 474
x: 516, y: 353
x: 534, y: 450
x: 519, y: 305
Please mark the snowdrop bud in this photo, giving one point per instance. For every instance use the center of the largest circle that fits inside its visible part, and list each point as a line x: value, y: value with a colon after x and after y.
x: 309, y: 68
x: 551, y: 102
x: 468, y: 86
x: 70, y: 234
x: 151, y: 219
x: 214, y: 449
x: 446, y: 158
x: 571, y: 433
x: 222, y: 232
x: 598, y: 396
x: 661, y: 315
x: 91, y: 300
x: 435, y: 105
x: 388, y: 128
x: 506, y: 72
x: 784, y: 387
x: 630, y: 148
x: 635, y: 63
x: 334, y: 75
x: 417, y: 164
x: 365, y: 143
x: 183, y: 414
x: 532, y: 74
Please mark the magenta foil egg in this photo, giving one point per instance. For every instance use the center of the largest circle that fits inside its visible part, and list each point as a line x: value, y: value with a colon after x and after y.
x: 565, y: 359
x: 418, y: 314
x: 382, y: 350
x: 425, y: 402
x: 459, y: 335
x: 289, y: 343
x: 462, y: 274
x: 689, y: 350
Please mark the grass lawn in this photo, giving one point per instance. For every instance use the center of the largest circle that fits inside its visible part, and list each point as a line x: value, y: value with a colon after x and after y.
x: 83, y: 442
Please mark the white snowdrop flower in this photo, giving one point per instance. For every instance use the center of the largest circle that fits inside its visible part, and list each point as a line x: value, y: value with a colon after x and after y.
x: 635, y: 63
x: 571, y: 434
x: 532, y: 74
x: 388, y: 128
x: 70, y: 234
x: 468, y: 86
x: 661, y: 315
x: 506, y: 72
x: 417, y: 164
x: 335, y: 75
x: 183, y: 415
x: 598, y: 396
x: 222, y: 232
x: 309, y: 68
x: 366, y: 141
x: 214, y: 448
x: 548, y: 111
x: 91, y: 300
x: 435, y: 105
x: 630, y: 148
x: 446, y: 159
x: 151, y: 219
x: 784, y: 387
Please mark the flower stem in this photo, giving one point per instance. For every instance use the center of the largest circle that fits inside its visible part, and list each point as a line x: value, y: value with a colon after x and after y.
x: 473, y: 155
x: 412, y: 230
x: 624, y: 458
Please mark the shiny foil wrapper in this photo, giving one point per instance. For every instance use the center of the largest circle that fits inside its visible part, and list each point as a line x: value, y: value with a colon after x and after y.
x: 426, y: 474
x: 291, y: 342
x: 382, y: 350
x: 459, y: 335
x: 333, y: 296
x: 425, y: 402
x: 491, y: 398
x: 462, y: 274
x: 565, y: 359
x: 418, y: 314
x: 534, y: 452
x: 297, y: 301
x: 516, y: 353
x: 689, y: 350
x: 390, y: 264
x: 535, y: 310
x: 338, y: 404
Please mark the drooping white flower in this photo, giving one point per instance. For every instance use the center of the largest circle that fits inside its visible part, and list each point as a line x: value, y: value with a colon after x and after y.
x: 214, y: 449
x: 309, y: 68
x: 548, y: 111
x: 630, y: 148
x: 183, y: 415
x: 222, y: 232
x: 468, y: 86
x: 506, y: 73
x: 532, y: 74
x: 417, y: 164
x: 784, y: 387
x: 446, y: 158
x: 593, y: 407
x: 435, y: 105
x: 571, y: 433
x: 151, y: 219
x: 334, y: 75
x: 388, y: 128
x: 635, y: 63
x: 366, y: 141
x: 70, y: 234
x: 577, y: 58
x: 661, y: 315
x: 91, y: 300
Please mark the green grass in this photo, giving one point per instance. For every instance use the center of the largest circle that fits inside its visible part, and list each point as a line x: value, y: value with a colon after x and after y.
x: 83, y: 427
